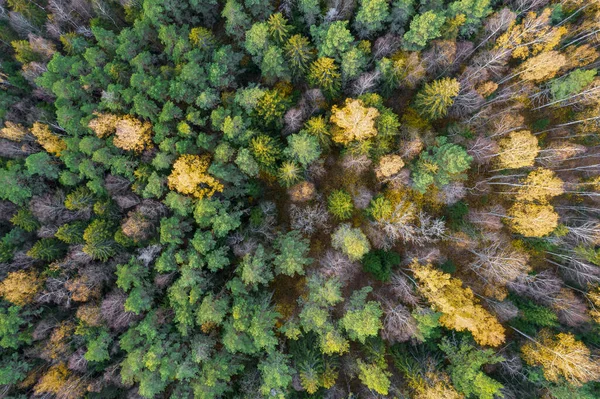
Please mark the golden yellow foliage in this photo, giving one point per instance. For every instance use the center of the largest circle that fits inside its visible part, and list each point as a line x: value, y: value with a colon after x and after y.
x: 21, y: 287
x: 388, y: 166
x: 333, y: 342
x: 561, y: 356
x: 329, y: 376
x: 50, y: 141
x: 486, y: 88
x: 532, y: 220
x: 189, y: 176
x: 594, y: 297
x: 543, y: 66
x: 103, y: 124
x: 302, y: 192
x: 579, y: 56
x: 353, y: 122
x: 132, y: 134
x: 534, y: 35
x: 461, y: 310
x: 82, y: 289
x: 57, y: 346
x: 13, y: 131
x: 435, y: 385
x: 540, y: 185
x: 517, y: 150
x: 89, y: 314
x: 53, y: 380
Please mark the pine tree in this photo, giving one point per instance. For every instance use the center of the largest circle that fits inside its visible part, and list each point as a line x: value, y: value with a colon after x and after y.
x: 339, y: 203
x: 299, y: 52
x: 47, y: 249
x: 436, y: 97
x: 324, y: 73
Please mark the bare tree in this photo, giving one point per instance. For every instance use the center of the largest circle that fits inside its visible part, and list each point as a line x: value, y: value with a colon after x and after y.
x: 310, y: 218
x: 571, y: 310
x: 523, y: 6
x: 294, y: 119
x: 497, y: 264
x: 20, y: 24
x: 542, y: 287
x: 490, y: 219
x: 336, y: 264
x: 576, y: 269
x: 466, y: 103
x: 482, y: 149
x: 402, y: 289
x: 385, y: 45
x: 505, y: 310
x: 14, y: 150
x: 452, y: 193
x: 113, y: 311
x: 587, y: 233
x: 77, y: 361
x: 147, y: 254
x: 398, y: 324
x: 116, y: 184
x: 7, y: 210
x: 356, y: 163
x: 365, y: 83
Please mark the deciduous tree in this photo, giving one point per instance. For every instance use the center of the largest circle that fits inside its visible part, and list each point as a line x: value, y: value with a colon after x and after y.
x: 517, y: 150
x: 561, y: 356
x: 189, y: 176
x: 461, y: 310
x: 21, y: 287
x: 353, y: 122
x: 532, y: 220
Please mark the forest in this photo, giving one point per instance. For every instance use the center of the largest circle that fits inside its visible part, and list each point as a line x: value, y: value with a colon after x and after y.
x: 332, y: 199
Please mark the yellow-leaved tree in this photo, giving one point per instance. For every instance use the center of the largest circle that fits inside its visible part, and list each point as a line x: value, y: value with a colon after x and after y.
x: 103, y: 125
x: 543, y: 66
x: 517, y: 150
x: 532, y: 220
x: 534, y: 35
x: 353, y: 122
x: 594, y: 297
x: 189, y: 176
x: 434, y: 385
x: 50, y: 141
x: 13, y: 131
x: 540, y: 185
x: 388, y: 166
x: 131, y: 134
x: 561, y: 356
x: 461, y: 310
x: 21, y: 287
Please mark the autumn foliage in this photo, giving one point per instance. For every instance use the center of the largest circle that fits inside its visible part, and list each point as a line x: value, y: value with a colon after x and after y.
x: 189, y: 176
x: 461, y: 310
